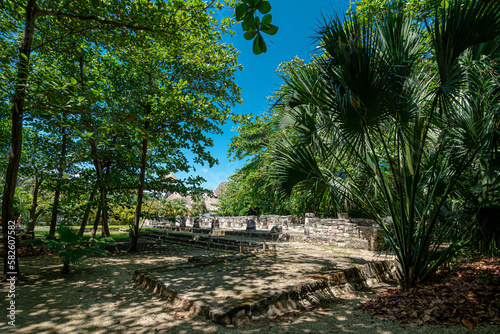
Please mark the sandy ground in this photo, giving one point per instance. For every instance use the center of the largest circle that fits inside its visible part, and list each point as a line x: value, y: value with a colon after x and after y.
x: 262, y: 274
x: 99, y: 297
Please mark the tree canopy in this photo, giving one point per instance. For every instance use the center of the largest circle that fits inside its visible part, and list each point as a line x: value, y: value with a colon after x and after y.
x: 122, y: 88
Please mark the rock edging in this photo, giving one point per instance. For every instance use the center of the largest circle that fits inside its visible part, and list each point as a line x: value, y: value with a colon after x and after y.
x: 246, y: 307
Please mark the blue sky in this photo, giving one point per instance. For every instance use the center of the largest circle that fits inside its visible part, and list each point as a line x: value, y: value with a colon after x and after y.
x: 297, y: 21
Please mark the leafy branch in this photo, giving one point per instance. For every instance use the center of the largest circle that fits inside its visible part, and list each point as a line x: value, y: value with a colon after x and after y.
x: 253, y: 25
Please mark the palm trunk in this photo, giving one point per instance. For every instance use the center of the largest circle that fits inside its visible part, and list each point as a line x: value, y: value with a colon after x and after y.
x: 66, y: 269
x: 11, y: 266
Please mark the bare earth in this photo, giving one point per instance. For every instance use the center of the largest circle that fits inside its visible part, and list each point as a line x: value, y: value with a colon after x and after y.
x: 100, y: 297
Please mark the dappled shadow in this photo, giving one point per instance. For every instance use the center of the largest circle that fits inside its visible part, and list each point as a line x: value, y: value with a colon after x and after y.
x: 257, y: 276
x: 99, y: 297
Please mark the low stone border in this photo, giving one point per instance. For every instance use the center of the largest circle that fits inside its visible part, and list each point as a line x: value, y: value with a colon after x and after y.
x: 149, y: 281
x: 251, y: 306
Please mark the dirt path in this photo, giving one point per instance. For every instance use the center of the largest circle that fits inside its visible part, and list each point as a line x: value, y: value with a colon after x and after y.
x: 99, y: 297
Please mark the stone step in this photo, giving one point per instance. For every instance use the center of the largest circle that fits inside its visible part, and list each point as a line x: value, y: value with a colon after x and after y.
x: 333, y: 241
x: 203, y: 241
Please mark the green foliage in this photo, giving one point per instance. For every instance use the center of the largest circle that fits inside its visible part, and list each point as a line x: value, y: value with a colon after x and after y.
x: 109, y: 79
x: 251, y: 190
x: 122, y: 215
x: 173, y: 208
x: 73, y: 249
x: 413, y: 105
x: 253, y: 25
x: 198, y: 207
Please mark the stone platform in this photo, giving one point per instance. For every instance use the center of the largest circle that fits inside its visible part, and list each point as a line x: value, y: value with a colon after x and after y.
x: 233, y: 288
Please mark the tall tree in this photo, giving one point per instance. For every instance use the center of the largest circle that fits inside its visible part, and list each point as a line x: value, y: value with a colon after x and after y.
x: 167, y: 21
x: 172, y: 100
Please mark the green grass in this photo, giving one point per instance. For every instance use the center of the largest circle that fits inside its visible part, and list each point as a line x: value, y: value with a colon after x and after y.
x: 114, y: 235
x: 40, y: 233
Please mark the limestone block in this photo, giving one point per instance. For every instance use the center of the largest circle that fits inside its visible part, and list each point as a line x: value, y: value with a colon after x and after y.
x: 277, y: 229
x: 196, y: 222
x: 251, y: 226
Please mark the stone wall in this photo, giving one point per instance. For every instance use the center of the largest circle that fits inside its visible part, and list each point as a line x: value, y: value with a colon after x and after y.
x: 342, y: 231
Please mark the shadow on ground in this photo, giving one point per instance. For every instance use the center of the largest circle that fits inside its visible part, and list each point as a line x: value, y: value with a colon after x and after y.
x: 99, y: 297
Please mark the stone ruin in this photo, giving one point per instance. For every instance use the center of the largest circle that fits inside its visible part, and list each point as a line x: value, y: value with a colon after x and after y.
x: 339, y: 231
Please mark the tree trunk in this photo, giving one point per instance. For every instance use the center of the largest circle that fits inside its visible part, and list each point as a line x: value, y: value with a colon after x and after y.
x: 87, y: 212
x: 34, y: 204
x: 57, y: 194
x: 104, y: 214
x: 140, y: 191
x: 101, y: 181
x: 66, y: 268
x: 11, y: 266
x: 96, y: 224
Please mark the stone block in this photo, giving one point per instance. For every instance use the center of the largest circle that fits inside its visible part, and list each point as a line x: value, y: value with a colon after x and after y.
x: 251, y: 226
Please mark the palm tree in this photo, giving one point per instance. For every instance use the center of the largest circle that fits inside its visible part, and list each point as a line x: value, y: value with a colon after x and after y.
x: 398, y: 97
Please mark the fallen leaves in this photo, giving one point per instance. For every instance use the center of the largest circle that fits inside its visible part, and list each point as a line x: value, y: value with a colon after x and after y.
x: 467, y: 324
x: 469, y: 296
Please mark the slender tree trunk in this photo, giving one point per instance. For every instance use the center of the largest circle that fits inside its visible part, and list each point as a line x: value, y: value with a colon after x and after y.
x: 104, y: 214
x: 98, y: 168
x: 96, y: 224
x: 57, y: 194
x: 87, y: 212
x: 102, y: 188
x: 11, y: 266
x: 34, y: 204
x: 140, y: 191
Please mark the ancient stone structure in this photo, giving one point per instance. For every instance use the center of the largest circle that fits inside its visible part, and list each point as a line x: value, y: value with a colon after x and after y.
x: 277, y: 229
x: 342, y: 231
x: 251, y: 226
x: 196, y: 222
x: 215, y: 223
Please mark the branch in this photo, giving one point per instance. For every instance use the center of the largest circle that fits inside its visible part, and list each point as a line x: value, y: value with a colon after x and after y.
x: 71, y: 32
x: 39, y: 213
x: 93, y: 18
x: 68, y: 2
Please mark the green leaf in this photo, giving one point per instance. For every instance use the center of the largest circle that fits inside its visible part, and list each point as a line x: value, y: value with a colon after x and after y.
x: 264, y: 7
x: 73, y: 81
x: 257, y: 23
x: 267, y: 19
x: 262, y: 44
x: 270, y: 29
x: 241, y: 11
x: 250, y: 34
x: 259, y: 46
x: 256, y: 47
x: 248, y: 22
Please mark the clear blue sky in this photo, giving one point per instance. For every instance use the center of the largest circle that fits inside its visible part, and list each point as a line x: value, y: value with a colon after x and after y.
x: 297, y: 20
